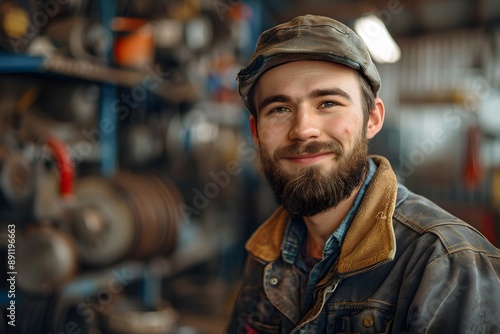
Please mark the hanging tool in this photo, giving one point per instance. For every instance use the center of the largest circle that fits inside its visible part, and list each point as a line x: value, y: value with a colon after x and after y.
x: 473, y: 171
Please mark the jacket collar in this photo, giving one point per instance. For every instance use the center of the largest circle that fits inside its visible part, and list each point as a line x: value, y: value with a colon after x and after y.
x: 369, y: 240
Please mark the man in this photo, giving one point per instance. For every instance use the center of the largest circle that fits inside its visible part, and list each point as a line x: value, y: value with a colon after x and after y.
x: 349, y: 250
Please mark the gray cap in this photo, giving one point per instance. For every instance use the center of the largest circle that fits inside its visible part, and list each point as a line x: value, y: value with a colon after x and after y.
x: 307, y: 37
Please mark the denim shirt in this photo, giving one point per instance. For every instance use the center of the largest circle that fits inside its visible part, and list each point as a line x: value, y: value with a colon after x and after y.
x: 311, y: 270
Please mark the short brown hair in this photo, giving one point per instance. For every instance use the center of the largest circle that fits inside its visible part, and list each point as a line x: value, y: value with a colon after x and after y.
x: 367, y: 97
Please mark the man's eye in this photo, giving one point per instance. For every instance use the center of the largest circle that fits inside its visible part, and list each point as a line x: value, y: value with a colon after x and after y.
x: 328, y: 104
x: 280, y: 110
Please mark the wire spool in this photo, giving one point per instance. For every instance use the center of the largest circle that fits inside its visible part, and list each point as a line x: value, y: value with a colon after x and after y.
x: 160, y: 221
x: 139, y: 200
x: 172, y: 199
x: 129, y: 316
x: 105, y: 226
x: 154, y: 202
x: 127, y: 216
x: 166, y: 202
x: 46, y: 258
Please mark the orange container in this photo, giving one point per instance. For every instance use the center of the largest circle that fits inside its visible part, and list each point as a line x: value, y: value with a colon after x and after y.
x: 134, y: 43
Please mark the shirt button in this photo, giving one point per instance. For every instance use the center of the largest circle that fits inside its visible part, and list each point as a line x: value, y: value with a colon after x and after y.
x: 368, y: 321
x: 274, y: 280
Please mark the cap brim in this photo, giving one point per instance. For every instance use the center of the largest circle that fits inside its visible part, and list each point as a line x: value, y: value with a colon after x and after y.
x: 248, y: 76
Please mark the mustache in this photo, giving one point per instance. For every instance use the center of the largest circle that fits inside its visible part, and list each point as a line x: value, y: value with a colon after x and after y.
x: 310, y: 148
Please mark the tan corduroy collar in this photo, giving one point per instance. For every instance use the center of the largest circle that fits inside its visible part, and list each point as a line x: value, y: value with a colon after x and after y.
x: 369, y: 240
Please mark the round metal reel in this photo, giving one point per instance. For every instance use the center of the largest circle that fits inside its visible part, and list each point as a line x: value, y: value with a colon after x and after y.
x: 173, y: 198
x: 161, y: 208
x: 46, y: 258
x: 144, y: 212
x: 105, y: 227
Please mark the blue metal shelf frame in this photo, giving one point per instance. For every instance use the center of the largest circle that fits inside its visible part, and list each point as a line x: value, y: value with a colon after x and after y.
x: 18, y: 63
x: 108, y: 115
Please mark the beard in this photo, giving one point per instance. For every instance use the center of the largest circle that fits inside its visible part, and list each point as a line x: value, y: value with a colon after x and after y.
x: 312, y: 190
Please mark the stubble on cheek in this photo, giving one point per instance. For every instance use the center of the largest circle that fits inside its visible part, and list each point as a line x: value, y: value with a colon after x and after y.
x: 272, y: 129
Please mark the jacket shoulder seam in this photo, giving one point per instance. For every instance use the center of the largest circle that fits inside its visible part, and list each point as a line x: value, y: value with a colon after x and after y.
x: 471, y: 241
x: 446, y: 253
x: 408, y: 222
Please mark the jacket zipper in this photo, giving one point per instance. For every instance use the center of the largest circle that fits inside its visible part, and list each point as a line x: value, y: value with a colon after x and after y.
x: 325, y: 293
x: 332, y: 289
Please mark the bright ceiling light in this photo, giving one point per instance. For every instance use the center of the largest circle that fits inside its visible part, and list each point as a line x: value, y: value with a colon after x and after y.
x: 378, y: 40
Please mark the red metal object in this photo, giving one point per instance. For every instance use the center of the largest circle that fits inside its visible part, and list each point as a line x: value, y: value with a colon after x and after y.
x: 473, y: 169
x: 65, y: 166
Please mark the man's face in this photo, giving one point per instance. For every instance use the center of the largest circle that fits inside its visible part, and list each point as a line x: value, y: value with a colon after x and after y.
x: 311, y: 134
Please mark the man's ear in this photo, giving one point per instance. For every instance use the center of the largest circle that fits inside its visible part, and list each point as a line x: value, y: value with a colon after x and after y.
x: 376, y: 119
x: 253, y: 129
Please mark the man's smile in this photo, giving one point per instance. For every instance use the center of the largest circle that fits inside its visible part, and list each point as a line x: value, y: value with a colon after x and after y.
x: 308, y: 158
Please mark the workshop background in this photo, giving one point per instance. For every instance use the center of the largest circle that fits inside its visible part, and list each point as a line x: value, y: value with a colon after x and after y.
x: 128, y: 177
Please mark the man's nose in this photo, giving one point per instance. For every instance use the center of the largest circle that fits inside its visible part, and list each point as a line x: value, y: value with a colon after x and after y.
x: 304, y: 127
